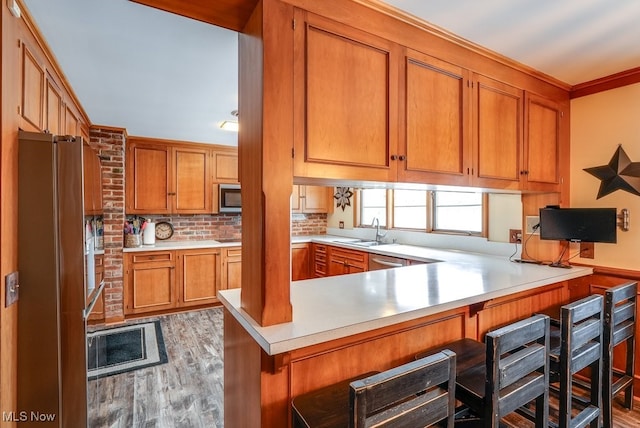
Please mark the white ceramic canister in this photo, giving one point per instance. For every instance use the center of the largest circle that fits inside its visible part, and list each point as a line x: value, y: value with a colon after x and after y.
x: 149, y: 234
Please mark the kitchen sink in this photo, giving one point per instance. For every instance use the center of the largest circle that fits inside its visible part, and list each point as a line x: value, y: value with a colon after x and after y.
x: 366, y: 243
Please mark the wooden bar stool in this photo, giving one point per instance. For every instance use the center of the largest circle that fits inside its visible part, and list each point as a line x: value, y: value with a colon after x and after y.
x: 578, y: 346
x: 417, y: 394
x: 619, y: 327
x: 510, y: 371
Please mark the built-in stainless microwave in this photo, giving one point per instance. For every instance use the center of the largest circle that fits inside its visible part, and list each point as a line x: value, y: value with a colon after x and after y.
x: 230, y: 201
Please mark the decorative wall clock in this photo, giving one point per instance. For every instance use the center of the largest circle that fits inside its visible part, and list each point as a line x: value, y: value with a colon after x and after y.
x: 164, y: 230
x: 619, y: 174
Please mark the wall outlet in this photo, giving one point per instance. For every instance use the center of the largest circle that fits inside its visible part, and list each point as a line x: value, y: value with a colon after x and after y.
x: 530, y: 222
x: 515, y: 235
x: 587, y: 250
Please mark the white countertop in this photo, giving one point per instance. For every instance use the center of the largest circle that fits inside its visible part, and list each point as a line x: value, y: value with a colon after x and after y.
x: 210, y: 243
x: 330, y: 308
x: 181, y: 245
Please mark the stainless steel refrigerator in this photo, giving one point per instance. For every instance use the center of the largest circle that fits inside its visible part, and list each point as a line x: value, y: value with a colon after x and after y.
x: 53, y: 265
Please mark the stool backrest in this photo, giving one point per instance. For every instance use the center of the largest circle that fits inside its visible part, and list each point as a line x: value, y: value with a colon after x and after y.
x: 416, y: 394
x: 619, y: 313
x: 580, y: 347
x: 518, y: 368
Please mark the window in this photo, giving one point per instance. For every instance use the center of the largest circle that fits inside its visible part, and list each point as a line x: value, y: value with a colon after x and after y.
x: 458, y: 211
x: 410, y: 209
x: 441, y: 211
x: 373, y: 204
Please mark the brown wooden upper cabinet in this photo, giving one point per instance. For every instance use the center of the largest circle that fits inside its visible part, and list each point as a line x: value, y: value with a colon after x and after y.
x: 542, y: 144
x: 165, y: 178
x: 435, y: 145
x: 371, y: 109
x: 32, y: 87
x: 497, y: 110
x: 311, y: 199
x: 92, y: 181
x: 344, y: 123
x: 225, y: 166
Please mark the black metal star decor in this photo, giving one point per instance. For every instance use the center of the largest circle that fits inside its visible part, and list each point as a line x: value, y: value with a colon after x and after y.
x: 343, y: 197
x: 619, y: 174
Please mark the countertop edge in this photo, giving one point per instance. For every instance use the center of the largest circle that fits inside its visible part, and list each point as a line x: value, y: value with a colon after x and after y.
x: 231, y: 301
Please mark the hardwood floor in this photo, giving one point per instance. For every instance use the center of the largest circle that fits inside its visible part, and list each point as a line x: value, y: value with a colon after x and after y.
x: 188, y: 390
x: 185, y: 392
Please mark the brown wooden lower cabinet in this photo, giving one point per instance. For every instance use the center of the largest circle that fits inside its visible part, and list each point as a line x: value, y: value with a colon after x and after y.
x: 343, y: 261
x: 150, y: 282
x: 198, y: 276
x: 231, y: 268
x: 300, y: 261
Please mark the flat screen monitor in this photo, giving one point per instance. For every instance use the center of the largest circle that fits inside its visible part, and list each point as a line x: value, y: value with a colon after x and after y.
x: 579, y: 224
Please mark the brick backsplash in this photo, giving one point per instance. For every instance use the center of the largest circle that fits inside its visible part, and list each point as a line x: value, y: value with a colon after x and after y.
x: 308, y: 224
x: 195, y: 227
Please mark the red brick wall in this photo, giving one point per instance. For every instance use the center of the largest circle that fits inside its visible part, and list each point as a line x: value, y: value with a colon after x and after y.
x: 110, y: 143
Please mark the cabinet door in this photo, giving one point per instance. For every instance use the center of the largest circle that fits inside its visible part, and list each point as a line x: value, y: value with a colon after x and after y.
x: 199, y: 276
x: 316, y: 199
x: 310, y: 199
x: 296, y: 200
x: 150, y: 279
x: 225, y: 167
x: 542, y: 144
x: 92, y: 181
x: 33, y: 87
x: 72, y: 123
x: 147, y: 169
x: 191, y: 194
x: 497, y: 130
x: 434, y: 125
x: 345, y: 122
x: 232, y: 268
x: 54, y: 107
x: 300, y: 261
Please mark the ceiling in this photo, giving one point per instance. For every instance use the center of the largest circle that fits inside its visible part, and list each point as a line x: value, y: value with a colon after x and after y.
x: 161, y: 75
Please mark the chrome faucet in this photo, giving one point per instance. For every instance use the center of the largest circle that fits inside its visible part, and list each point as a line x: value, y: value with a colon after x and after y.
x: 376, y: 223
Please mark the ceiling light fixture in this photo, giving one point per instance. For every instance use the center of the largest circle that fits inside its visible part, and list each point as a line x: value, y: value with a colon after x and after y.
x: 230, y: 125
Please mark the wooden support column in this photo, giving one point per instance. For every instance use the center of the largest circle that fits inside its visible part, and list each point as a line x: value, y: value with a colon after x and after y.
x: 265, y: 156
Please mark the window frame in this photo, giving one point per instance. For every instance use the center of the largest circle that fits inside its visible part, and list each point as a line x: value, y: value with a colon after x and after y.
x: 430, y: 214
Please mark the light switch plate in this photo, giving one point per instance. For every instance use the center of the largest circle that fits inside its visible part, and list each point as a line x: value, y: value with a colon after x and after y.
x: 11, y: 287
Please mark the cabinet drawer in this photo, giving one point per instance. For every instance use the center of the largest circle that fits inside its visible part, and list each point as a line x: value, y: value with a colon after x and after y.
x: 156, y: 256
x: 355, y: 256
x: 234, y: 252
x: 319, y: 248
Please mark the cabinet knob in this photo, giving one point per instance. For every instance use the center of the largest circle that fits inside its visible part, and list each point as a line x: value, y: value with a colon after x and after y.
x: 402, y: 157
x: 394, y: 157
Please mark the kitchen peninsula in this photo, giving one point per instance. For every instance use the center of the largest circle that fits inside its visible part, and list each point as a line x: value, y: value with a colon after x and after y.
x: 351, y: 324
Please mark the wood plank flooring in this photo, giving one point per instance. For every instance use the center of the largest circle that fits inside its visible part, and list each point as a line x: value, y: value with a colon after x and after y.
x: 188, y: 390
x: 185, y: 392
